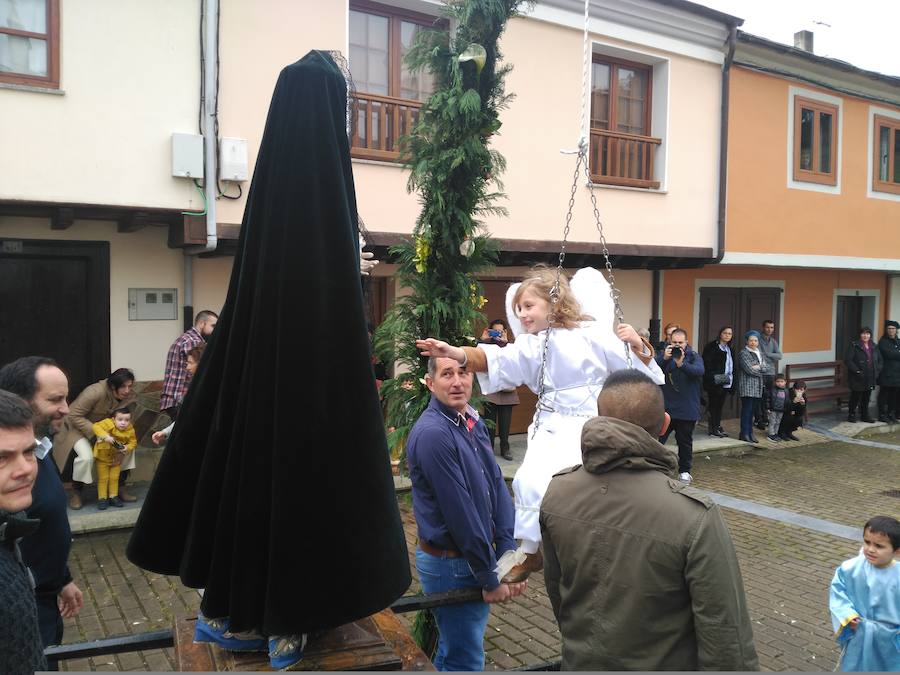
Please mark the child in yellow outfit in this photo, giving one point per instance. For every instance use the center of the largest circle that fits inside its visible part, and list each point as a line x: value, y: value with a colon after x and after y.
x: 115, y: 439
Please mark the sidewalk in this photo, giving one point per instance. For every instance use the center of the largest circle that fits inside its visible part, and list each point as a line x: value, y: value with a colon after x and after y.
x: 89, y: 519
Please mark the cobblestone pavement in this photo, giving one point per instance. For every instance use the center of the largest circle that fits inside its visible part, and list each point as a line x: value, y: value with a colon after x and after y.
x: 786, y: 569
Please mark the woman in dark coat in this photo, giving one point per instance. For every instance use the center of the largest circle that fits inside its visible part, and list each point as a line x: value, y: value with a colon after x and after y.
x: 863, y: 361
x: 889, y: 381
x: 718, y: 377
x: 288, y: 525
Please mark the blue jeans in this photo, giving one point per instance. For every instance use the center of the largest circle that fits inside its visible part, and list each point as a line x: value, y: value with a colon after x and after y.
x: 748, y: 405
x: 461, y: 643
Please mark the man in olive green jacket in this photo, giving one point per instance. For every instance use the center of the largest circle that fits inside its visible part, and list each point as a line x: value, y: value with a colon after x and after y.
x: 639, y: 567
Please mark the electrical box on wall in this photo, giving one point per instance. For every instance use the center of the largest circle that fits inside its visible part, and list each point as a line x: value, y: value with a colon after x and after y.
x: 233, y: 159
x: 152, y: 304
x: 187, y: 155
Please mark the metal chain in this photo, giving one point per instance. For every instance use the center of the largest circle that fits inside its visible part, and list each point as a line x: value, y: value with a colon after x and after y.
x: 554, y: 292
x: 614, y: 294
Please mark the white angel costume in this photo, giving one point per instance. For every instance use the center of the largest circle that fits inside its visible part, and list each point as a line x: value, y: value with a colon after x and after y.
x: 578, y: 362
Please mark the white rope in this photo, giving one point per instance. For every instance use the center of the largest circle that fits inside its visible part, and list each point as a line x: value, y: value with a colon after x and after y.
x: 585, y: 75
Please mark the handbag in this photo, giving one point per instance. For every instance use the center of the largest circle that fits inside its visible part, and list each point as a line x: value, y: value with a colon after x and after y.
x: 720, y: 378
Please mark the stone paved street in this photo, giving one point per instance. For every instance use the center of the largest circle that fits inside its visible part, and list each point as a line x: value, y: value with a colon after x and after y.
x: 786, y: 568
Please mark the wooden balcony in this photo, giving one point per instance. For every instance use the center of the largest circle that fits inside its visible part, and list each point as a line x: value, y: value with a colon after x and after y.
x: 380, y: 121
x: 622, y: 159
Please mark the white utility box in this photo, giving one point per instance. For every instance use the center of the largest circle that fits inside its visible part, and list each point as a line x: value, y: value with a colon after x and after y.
x: 233, y: 159
x: 187, y: 155
x: 148, y: 304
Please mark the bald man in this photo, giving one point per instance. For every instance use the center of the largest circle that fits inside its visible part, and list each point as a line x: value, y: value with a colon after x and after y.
x: 639, y: 567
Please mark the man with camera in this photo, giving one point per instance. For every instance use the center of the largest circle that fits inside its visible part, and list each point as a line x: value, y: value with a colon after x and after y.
x: 683, y: 369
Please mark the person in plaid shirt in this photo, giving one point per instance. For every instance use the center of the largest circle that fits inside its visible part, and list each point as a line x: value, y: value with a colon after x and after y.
x: 177, y: 376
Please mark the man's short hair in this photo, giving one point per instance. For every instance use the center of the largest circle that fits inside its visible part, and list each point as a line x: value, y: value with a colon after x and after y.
x: 768, y: 321
x: 680, y: 330
x: 20, y: 376
x: 204, y: 315
x: 631, y: 396
x: 15, y: 413
x: 780, y: 376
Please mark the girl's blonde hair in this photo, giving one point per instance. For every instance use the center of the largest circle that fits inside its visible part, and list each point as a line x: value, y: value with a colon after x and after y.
x: 540, y: 281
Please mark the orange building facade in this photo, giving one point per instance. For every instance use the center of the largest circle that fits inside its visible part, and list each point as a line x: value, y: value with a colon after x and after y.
x: 812, y: 235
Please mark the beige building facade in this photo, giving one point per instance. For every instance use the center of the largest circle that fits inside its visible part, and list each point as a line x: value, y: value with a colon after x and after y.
x: 89, y: 154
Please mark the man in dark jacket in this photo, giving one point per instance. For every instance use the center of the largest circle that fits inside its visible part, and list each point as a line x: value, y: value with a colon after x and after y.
x: 640, y: 568
x: 44, y: 386
x: 683, y: 369
x: 889, y: 380
x: 20, y: 638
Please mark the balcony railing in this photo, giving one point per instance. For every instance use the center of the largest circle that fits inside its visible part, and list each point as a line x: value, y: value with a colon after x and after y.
x: 380, y: 121
x: 622, y: 159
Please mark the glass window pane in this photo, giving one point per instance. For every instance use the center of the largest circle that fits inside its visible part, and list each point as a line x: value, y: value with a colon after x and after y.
x: 897, y: 155
x: 25, y: 56
x: 30, y: 15
x: 632, y: 94
x: 807, y: 117
x: 884, y: 152
x: 369, y: 52
x: 600, y: 96
x: 416, y: 85
x: 825, y: 127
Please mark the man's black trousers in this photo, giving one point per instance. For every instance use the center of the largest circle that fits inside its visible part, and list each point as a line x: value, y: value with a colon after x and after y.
x: 684, y: 436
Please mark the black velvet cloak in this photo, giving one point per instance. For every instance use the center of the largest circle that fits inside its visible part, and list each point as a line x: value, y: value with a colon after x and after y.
x: 274, y: 492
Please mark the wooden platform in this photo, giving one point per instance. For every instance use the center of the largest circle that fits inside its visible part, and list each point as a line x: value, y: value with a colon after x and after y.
x: 378, y: 642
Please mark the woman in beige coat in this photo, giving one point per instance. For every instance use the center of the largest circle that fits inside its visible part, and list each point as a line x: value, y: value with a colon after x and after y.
x: 95, y: 403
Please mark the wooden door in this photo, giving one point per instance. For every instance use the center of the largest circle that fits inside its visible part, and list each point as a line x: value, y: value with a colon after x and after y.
x: 848, y: 320
x: 741, y: 308
x: 54, y: 301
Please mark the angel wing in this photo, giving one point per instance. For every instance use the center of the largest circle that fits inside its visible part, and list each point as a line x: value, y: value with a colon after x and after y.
x: 514, y: 324
x: 591, y: 289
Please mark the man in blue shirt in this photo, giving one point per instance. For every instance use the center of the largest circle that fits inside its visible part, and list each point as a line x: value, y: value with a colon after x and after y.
x: 463, y: 511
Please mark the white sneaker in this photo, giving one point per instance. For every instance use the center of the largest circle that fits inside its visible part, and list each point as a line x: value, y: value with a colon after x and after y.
x: 685, y: 476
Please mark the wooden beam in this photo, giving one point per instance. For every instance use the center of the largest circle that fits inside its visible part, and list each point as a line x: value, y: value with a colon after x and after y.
x: 62, y: 218
x: 133, y: 221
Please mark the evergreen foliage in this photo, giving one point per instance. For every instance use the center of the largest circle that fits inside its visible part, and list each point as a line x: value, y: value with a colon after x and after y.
x: 456, y: 174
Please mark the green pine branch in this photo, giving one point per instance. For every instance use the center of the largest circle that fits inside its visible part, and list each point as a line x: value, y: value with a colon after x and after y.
x: 455, y: 172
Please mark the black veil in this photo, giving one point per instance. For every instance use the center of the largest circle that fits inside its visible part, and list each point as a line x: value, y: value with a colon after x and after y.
x: 274, y: 492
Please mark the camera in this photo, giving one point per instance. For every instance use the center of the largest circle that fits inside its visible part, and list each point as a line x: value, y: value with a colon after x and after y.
x: 494, y: 333
x: 677, y: 352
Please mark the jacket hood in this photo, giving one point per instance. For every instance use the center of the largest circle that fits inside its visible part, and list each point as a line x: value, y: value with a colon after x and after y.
x: 608, y: 443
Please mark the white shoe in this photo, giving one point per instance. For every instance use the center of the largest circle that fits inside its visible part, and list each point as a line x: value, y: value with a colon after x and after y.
x: 685, y: 476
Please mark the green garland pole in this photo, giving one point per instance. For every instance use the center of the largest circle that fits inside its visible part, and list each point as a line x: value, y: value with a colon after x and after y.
x: 456, y: 174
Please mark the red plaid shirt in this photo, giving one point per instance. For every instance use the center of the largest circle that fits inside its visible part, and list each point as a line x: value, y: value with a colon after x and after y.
x: 177, y: 376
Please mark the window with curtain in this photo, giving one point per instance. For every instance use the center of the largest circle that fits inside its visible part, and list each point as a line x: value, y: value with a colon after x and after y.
x: 886, y: 173
x: 29, y: 42
x: 815, y: 141
x: 388, y: 94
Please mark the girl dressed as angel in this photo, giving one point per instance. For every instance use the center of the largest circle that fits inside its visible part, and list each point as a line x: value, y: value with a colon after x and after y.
x: 583, y: 350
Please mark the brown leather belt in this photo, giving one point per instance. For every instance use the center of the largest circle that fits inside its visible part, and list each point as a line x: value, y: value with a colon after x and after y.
x: 439, y: 552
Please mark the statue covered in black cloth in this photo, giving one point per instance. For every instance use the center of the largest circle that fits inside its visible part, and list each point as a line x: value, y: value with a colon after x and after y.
x: 274, y: 492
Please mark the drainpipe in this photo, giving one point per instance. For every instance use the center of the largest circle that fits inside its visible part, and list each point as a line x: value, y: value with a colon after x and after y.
x: 209, y: 17
x: 723, y: 145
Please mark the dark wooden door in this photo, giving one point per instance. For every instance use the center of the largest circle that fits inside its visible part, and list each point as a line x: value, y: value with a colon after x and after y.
x: 741, y: 308
x: 848, y: 320
x: 54, y: 301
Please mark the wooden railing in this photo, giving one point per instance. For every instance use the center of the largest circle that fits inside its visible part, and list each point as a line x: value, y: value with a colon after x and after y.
x: 622, y: 159
x: 379, y: 122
